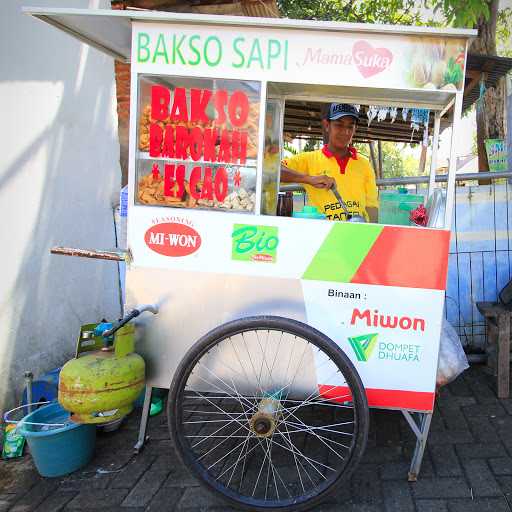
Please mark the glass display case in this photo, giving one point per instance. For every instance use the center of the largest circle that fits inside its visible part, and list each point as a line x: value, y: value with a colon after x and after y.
x: 197, y: 143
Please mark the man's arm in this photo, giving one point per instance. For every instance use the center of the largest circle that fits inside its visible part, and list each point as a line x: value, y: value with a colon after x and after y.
x: 373, y: 213
x: 289, y: 176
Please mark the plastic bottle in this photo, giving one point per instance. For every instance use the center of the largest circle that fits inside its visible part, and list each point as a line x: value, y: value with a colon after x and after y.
x: 123, y: 217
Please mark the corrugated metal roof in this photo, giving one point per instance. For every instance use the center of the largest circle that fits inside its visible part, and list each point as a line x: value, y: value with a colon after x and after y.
x: 253, y: 8
x: 493, y: 67
x: 303, y: 120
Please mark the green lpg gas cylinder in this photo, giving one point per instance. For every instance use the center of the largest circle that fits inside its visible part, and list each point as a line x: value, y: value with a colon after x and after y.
x: 102, y: 382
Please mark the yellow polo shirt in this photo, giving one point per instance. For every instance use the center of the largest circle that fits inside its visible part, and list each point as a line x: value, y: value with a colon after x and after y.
x: 354, y: 177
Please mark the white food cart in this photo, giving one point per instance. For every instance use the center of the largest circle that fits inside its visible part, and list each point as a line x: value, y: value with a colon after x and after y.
x: 275, y: 334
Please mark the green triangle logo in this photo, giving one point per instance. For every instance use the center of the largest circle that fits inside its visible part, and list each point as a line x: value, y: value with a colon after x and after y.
x: 363, y: 345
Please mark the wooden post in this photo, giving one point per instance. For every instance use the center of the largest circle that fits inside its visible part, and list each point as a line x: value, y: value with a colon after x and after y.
x: 379, y: 147
x: 423, y: 159
x: 503, y: 355
x: 373, y: 158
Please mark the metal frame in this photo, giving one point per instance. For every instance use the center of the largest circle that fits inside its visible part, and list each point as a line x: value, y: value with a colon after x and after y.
x: 420, y: 425
x: 261, y: 143
x: 241, y: 21
x: 450, y: 194
x: 141, y: 440
x: 435, y: 148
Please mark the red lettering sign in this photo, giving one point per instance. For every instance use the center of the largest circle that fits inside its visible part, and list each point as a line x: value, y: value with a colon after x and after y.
x: 183, y: 130
x: 172, y: 239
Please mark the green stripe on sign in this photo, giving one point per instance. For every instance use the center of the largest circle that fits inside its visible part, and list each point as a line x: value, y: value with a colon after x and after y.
x: 342, y: 252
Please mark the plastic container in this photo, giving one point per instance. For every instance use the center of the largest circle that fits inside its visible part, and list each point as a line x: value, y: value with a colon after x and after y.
x: 122, y: 217
x: 309, y: 212
x: 58, y: 446
x: 123, y: 202
x: 44, y: 389
x: 395, y: 206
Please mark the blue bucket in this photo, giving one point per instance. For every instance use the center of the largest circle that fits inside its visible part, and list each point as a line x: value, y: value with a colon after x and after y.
x: 58, y: 446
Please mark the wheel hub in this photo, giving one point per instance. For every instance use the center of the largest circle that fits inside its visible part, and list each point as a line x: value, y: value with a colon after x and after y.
x: 263, y: 424
x: 263, y: 421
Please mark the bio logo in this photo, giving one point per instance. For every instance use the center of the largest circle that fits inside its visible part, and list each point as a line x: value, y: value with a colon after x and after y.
x: 363, y: 346
x: 254, y: 243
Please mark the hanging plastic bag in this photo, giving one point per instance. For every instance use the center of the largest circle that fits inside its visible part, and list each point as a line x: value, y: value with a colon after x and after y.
x: 452, y: 359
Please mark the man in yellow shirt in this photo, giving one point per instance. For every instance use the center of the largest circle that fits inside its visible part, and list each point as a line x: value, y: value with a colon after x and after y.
x: 337, y: 162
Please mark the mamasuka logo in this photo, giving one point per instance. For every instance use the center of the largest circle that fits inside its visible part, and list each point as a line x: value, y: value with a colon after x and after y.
x: 368, y: 60
x: 363, y: 345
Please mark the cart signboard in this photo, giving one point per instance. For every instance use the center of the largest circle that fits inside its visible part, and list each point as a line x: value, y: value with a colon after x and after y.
x: 285, y: 56
x: 350, y: 281
x: 496, y: 155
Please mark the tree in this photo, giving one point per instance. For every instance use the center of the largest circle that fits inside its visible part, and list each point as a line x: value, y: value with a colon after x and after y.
x: 393, y: 162
x: 481, y: 14
x: 490, y: 111
x: 362, y: 11
x: 459, y: 13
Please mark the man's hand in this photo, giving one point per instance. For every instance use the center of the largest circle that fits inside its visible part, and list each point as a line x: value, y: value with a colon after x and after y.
x: 322, y: 181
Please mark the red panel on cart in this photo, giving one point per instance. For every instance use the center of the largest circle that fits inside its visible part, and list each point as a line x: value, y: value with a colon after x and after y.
x: 410, y: 258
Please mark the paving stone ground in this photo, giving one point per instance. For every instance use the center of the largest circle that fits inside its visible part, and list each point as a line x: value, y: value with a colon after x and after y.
x: 467, y: 466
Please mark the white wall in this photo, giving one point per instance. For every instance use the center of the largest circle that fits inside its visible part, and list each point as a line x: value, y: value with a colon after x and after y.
x: 59, y: 178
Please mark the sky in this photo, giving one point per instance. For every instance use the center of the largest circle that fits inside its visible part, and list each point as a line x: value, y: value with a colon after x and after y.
x: 465, y: 141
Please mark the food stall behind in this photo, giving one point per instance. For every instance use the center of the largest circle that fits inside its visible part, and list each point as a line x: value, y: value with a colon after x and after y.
x: 275, y: 334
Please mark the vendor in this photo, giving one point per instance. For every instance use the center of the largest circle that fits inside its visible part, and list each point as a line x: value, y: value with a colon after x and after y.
x: 337, y: 162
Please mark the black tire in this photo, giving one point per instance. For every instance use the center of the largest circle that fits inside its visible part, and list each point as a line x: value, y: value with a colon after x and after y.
x: 274, y: 426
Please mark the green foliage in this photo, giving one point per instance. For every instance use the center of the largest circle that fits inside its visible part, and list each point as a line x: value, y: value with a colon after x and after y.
x: 395, y: 162
x: 290, y: 149
x: 459, y: 13
x: 362, y: 11
x: 504, y: 32
x: 311, y: 145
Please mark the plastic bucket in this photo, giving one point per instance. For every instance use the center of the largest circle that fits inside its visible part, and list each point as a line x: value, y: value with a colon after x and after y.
x: 58, y: 446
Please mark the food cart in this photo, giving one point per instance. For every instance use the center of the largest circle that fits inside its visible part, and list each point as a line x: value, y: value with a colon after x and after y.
x: 275, y: 334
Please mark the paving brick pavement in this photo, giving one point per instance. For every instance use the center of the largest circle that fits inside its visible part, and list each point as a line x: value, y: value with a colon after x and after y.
x: 467, y: 466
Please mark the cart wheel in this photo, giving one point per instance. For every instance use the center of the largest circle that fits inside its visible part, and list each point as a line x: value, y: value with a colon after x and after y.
x: 268, y: 413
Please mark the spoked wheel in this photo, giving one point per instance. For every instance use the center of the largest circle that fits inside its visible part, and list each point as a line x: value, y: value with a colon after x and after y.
x: 269, y: 413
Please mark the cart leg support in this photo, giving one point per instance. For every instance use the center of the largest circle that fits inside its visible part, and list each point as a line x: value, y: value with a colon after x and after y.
x: 144, y: 420
x: 420, y: 425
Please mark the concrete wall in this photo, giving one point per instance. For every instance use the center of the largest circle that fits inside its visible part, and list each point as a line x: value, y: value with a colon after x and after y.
x: 59, y: 179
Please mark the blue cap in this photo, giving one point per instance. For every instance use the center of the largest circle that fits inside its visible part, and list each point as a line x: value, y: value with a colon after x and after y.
x: 339, y: 110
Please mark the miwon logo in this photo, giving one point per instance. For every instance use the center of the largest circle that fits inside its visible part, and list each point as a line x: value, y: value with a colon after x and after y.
x: 363, y: 345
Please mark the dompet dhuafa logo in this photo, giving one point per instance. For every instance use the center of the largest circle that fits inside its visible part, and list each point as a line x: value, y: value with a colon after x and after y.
x: 363, y: 345
x: 254, y: 243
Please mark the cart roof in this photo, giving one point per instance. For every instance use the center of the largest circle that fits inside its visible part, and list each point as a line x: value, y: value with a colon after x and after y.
x: 110, y: 30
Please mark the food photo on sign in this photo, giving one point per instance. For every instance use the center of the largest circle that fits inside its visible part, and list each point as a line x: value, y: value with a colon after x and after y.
x: 198, y: 143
